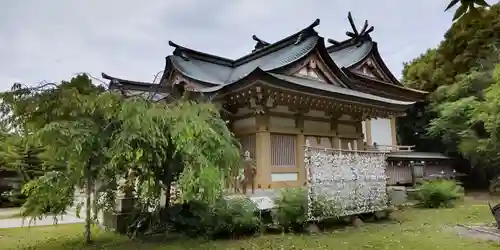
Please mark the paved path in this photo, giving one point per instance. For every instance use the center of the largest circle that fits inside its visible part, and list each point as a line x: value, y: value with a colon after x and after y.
x: 18, y: 222
x: 6, y: 212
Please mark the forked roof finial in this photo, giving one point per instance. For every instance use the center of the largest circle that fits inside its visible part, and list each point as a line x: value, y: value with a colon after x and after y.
x: 355, y: 34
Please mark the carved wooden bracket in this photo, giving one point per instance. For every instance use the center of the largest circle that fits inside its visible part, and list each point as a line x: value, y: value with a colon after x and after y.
x: 261, y: 104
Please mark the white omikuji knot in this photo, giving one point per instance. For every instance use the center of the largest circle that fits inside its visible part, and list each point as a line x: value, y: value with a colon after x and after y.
x: 356, y: 182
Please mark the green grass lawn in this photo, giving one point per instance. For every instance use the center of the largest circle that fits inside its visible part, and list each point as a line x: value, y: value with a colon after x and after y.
x: 409, y: 229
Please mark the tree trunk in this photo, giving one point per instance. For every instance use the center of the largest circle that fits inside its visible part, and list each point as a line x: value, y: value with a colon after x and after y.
x: 168, y: 190
x: 88, y: 203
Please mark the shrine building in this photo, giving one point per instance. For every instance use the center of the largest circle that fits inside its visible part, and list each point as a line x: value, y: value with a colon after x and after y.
x: 334, y: 94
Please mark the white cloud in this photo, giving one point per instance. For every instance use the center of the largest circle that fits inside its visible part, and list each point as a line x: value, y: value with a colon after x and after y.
x: 53, y: 39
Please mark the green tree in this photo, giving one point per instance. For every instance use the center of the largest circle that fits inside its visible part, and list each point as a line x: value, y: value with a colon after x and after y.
x: 99, y: 135
x: 469, y: 7
x: 465, y: 114
x: 467, y: 46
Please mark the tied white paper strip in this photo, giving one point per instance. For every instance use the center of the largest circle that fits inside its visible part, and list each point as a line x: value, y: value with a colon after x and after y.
x: 354, y: 181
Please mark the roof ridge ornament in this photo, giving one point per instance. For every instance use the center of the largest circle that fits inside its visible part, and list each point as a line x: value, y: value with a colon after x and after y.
x: 181, y: 50
x: 309, y: 30
x: 355, y: 36
x: 260, y: 43
x: 358, y: 36
x: 177, y: 46
x: 332, y: 41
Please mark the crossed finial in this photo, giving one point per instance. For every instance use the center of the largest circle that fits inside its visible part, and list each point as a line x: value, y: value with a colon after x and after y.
x: 354, y: 33
x: 364, y: 31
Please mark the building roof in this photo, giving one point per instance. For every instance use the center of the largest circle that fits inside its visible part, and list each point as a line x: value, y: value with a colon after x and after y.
x: 313, y: 84
x: 212, y: 73
x: 217, y: 74
x: 215, y: 70
x: 116, y: 83
x: 347, y: 56
x: 412, y: 155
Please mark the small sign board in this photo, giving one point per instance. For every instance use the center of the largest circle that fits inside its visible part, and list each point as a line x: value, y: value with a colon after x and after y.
x: 263, y: 202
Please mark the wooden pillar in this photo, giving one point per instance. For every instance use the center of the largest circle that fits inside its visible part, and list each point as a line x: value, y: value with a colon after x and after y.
x: 263, y: 152
x: 359, y: 141
x: 300, y: 150
x: 368, y: 132
x: 334, y: 128
x: 393, y: 130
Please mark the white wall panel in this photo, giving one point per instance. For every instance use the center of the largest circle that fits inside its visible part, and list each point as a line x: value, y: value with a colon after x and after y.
x: 381, y: 131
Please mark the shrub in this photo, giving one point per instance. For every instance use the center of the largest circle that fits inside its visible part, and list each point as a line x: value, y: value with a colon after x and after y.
x: 292, y: 206
x: 438, y: 193
x: 235, y: 217
x: 291, y: 209
x: 225, y: 218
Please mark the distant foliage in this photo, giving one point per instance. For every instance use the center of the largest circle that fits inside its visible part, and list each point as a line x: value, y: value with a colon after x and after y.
x: 457, y: 73
x: 466, y: 7
x: 25, y: 158
x: 439, y: 193
x: 22, y: 156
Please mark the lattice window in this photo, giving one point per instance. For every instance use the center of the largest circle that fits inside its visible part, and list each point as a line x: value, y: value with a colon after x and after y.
x: 283, y: 149
x: 248, y: 143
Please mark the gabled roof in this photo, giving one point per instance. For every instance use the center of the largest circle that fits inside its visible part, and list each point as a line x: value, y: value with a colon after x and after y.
x: 214, y: 73
x: 349, y: 53
x: 214, y: 70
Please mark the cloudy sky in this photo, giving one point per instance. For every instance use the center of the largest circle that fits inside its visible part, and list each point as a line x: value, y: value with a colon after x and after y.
x: 55, y: 39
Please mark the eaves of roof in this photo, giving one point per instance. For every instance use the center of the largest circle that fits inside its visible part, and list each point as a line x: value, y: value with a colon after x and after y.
x: 363, y: 78
x: 308, y: 86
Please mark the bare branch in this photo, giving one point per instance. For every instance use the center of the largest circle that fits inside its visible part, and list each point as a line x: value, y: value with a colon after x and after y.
x: 158, y: 74
x: 157, y: 86
x: 40, y: 86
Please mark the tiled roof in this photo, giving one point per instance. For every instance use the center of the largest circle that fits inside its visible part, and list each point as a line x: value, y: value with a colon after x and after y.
x: 350, y: 55
x: 218, y: 74
x: 214, y: 73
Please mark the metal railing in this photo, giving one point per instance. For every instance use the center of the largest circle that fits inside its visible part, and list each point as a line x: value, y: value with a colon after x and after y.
x: 390, y: 148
